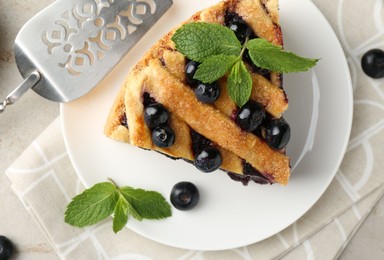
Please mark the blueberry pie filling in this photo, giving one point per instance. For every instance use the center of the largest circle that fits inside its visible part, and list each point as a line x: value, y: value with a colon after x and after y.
x: 190, y: 70
x: 250, y: 174
x: 250, y: 116
x: 156, y: 115
x: 163, y: 136
x: 169, y: 111
x: 157, y: 119
x: 207, y: 157
x: 123, y: 120
x: 204, y: 92
x: 241, y: 29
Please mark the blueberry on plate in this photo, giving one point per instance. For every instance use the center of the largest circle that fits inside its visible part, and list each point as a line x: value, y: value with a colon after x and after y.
x: 277, y: 133
x: 372, y: 63
x: 163, y: 136
x: 156, y: 115
x: 184, y: 195
x: 208, y: 159
x: 6, y: 248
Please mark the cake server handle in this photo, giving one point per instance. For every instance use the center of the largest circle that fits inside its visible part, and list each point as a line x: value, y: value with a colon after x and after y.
x: 28, y: 83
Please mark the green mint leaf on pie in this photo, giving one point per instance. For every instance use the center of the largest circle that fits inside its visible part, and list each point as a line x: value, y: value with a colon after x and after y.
x: 239, y: 84
x: 92, y: 206
x: 104, y: 199
x: 219, y: 51
x: 268, y: 56
x: 147, y: 204
x: 120, y: 214
x: 215, y: 67
x: 200, y: 40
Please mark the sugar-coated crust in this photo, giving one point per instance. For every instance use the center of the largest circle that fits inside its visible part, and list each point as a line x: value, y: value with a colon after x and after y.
x: 161, y: 74
x: 205, y: 119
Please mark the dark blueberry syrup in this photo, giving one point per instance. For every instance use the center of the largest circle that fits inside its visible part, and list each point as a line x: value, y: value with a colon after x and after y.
x: 265, y: 8
x: 199, y: 142
x: 254, y: 174
x: 123, y: 120
x: 250, y: 174
x: 147, y: 99
x: 163, y: 62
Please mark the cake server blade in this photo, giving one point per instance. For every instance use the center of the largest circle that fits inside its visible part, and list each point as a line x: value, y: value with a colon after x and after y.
x: 69, y: 47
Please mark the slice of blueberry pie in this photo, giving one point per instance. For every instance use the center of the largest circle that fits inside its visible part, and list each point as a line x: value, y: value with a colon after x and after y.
x: 164, y: 107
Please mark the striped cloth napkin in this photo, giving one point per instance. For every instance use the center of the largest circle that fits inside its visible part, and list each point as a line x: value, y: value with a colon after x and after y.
x: 45, y: 181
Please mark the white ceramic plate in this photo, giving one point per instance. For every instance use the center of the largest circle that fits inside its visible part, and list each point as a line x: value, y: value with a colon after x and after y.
x: 229, y: 214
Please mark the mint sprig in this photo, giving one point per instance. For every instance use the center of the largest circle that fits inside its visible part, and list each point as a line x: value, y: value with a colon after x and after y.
x: 268, y: 56
x: 104, y: 199
x: 219, y: 51
x: 215, y: 67
x: 239, y: 83
x: 199, y: 41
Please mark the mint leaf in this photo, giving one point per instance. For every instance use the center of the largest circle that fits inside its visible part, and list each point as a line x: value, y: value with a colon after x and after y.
x: 92, y: 206
x: 218, y: 50
x: 268, y: 56
x: 215, y: 67
x: 121, y: 214
x: 147, y: 204
x: 200, y: 40
x: 100, y: 201
x: 239, y: 84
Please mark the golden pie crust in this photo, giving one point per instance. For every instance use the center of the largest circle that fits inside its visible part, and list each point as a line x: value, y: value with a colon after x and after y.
x: 160, y: 72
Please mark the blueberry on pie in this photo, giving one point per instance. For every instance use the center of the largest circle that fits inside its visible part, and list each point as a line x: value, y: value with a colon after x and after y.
x: 163, y: 107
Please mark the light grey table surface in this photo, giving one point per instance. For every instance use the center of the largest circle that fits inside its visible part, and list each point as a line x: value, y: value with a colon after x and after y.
x: 22, y: 122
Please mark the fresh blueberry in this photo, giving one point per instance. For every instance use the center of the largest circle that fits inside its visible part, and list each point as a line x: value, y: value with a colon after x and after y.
x: 241, y: 30
x: 277, y: 133
x: 190, y: 70
x: 207, y: 93
x: 250, y: 116
x: 239, y: 27
x: 163, y: 136
x: 372, y: 63
x: 184, y: 195
x: 156, y: 115
x: 208, y: 160
x: 6, y: 248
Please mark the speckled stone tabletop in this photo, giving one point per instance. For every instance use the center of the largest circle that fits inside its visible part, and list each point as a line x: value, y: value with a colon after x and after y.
x: 24, y: 121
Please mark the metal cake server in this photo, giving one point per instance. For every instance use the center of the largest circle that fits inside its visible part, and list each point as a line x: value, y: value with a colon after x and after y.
x: 69, y: 47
